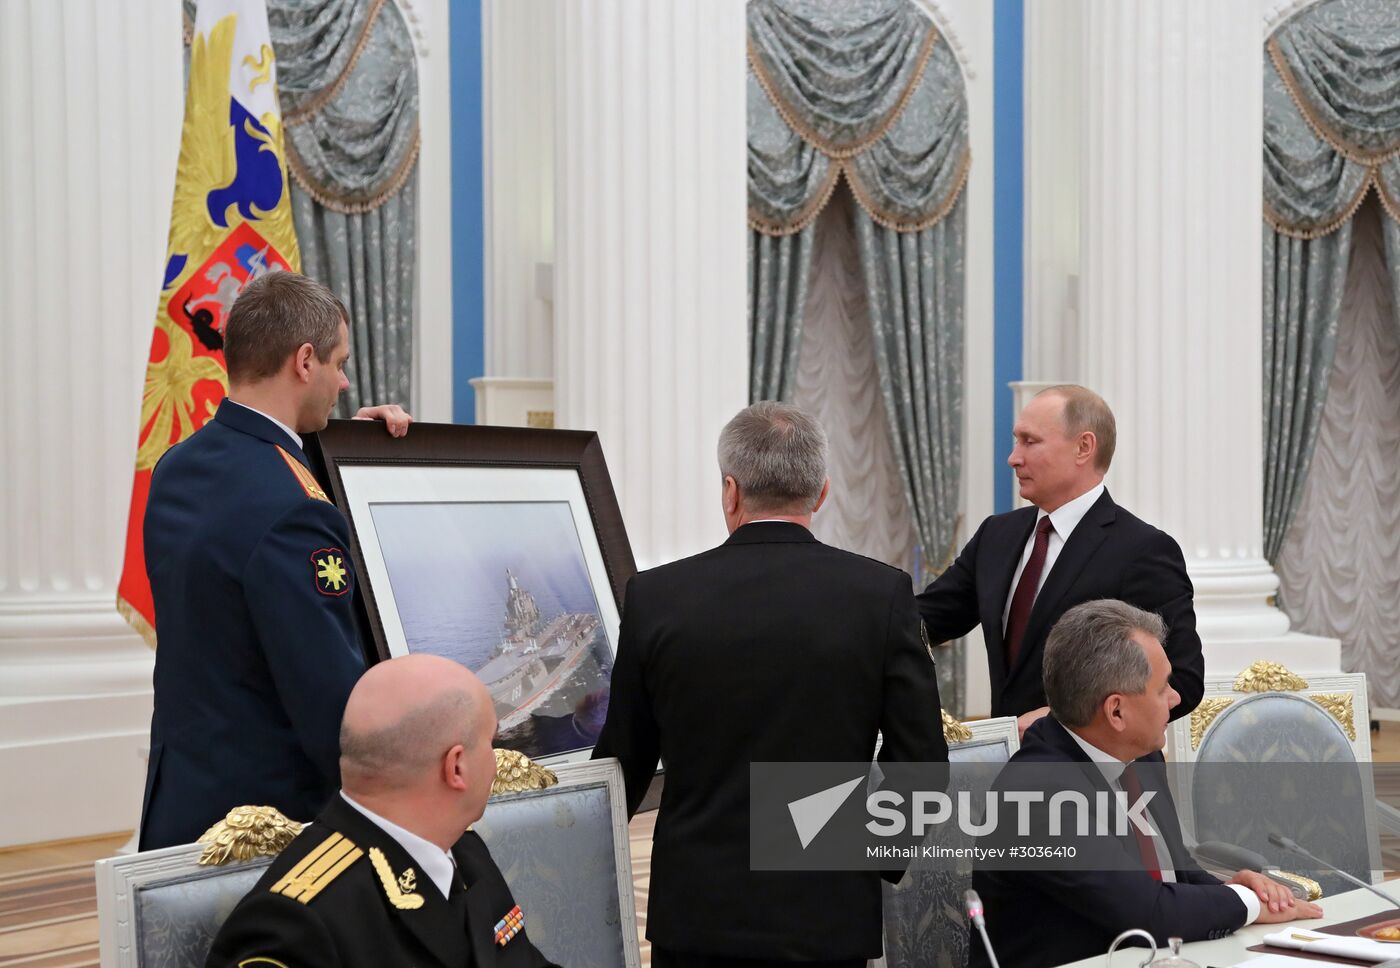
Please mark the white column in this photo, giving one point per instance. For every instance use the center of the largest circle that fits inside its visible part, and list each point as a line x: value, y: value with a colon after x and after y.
x: 651, y: 345
x: 1172, y: 298
x: 1054, y: 132
x: 428, y: 22
x: 90, y: 106
x: 519, y: 65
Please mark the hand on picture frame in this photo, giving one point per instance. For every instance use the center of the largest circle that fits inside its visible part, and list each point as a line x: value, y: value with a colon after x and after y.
x: 396, y: 419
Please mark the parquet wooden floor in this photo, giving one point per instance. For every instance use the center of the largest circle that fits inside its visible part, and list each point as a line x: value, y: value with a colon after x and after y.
x: 48, y: 903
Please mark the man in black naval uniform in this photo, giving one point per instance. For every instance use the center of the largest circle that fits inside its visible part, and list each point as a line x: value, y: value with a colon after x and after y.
x: 250, y: 578
x: 390, y: 874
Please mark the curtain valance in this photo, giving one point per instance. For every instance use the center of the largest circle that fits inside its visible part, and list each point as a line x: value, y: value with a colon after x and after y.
x: 866, y: 89
x: 1331, y: 116
x: 349, y: 90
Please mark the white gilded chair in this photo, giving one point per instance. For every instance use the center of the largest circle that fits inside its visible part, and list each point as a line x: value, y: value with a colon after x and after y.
x: 1268, y: 751
x: 925, y: 923
x: 563, y: 850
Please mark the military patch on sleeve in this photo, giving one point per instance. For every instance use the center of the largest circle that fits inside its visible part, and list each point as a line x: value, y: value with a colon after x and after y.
x: 304, y: 477
x: 310, y: 875
x: 330, y: 572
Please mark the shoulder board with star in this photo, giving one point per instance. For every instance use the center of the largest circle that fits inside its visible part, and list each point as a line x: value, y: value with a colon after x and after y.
x: 304, y: 477
x: 314, y: 872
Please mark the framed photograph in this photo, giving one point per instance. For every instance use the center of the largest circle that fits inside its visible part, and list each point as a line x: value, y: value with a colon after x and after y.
x: 500, y: 548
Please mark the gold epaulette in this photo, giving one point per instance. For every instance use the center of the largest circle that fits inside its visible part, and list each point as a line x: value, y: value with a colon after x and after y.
x: 327, y: 861
x: 304, y: 477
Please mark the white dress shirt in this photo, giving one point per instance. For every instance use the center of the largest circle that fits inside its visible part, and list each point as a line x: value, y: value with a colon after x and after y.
x: 1065, y: 518
x: 1112, y: 769
x: 436, y: 863
x: 288, y: 430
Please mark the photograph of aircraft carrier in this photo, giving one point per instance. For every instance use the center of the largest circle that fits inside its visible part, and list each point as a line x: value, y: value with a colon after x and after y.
x: 503, y: 588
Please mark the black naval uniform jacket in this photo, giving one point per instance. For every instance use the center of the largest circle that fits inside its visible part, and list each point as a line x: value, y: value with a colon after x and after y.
x: 258, y: 647
x: 772, y: 647
x: 1110, y: 554
x: 329, y: 902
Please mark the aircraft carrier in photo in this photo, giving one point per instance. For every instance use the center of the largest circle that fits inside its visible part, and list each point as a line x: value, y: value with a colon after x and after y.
x: 535, y: 657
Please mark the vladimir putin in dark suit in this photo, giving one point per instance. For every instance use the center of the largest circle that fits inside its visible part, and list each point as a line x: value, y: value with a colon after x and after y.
x: 1024, y: 569
x: 772, y: 647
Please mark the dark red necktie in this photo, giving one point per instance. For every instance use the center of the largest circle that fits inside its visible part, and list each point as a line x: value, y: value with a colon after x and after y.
x: 1024, y: 597
x: 1132, y: 786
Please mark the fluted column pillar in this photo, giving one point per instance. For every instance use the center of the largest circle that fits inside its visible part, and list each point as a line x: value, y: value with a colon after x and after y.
x: 1054, y: 135
x: 90, y: 106
x: 1171, y: 298
x: 519, y: 65
x: 651, y: 345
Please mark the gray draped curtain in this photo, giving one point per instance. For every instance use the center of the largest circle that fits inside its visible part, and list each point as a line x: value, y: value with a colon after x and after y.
x: 347, y: 80
x: 1331, y: 134
x: 867, y: 91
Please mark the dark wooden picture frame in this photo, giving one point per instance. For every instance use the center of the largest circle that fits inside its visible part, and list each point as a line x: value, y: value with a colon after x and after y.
x: 347, y: 443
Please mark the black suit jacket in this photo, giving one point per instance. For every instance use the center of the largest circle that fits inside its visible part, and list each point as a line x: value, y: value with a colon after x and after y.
x: 349, y: 919
x: 770, y: 648
x: 1110, y: 554
x: 1059, y: 912
x: 258, y: 647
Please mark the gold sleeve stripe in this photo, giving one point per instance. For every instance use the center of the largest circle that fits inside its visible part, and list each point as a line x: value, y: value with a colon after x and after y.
x: 304, y: 477
x: 317, y: 869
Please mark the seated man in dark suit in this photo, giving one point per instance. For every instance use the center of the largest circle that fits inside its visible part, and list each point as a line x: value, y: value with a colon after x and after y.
x: 390, y: 873
x: 772, y: 647
x: 1107, y: 679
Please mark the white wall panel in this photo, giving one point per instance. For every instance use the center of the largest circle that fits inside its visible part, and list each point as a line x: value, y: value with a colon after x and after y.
x: 651, y: 338
x: 518, y: 121
x: 91, y: 101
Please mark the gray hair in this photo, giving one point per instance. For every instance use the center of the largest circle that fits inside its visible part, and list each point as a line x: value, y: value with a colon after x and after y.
x: 776, y: 453
x: 274, y: 315
x: 1091, y: 654
x: 402, y: 752
x: 1084, y: 411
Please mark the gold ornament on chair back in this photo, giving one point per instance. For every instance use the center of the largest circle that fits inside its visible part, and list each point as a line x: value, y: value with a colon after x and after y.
x: 516, y: 773
x: 1264, y: 676
x: 247, y: 832
x: 954, y: 731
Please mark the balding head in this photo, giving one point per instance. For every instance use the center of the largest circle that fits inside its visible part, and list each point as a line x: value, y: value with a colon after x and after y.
x: 403, y: 716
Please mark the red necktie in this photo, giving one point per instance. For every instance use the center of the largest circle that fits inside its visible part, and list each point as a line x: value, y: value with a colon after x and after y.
x: 1132, y: 786
x: 1024, y: 597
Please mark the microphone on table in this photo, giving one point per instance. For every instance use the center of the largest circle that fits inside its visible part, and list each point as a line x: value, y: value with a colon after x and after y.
x: 974, y: 911
x: 1292, y: 846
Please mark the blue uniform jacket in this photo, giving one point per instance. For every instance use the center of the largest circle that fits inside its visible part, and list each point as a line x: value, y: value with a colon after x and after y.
x: 257, y: 648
